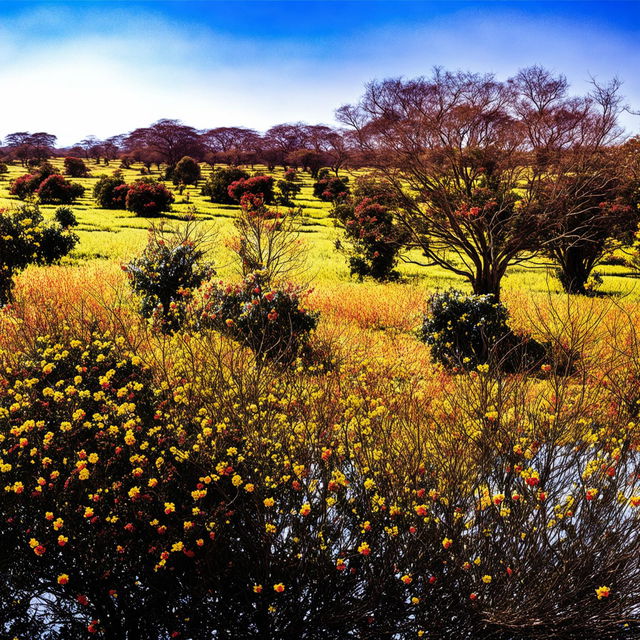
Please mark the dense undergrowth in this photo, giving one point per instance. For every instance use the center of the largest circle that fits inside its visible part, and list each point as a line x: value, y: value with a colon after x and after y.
x: 164, y: 485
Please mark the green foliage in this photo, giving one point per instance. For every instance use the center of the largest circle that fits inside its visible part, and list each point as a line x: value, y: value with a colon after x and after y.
x: 187, y: 171
x: 65, y: 217
x: 165, y: 276
x: 217, y: 186
x: 373, y: 239
x: 288, y: 190
x: 104, y: 191
x: 331, y: 189
x: 25, y: 239
x: 465, y: 331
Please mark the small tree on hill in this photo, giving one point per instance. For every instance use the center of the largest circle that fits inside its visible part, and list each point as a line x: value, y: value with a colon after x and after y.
x: 75, y: 167
x: 187, y: 171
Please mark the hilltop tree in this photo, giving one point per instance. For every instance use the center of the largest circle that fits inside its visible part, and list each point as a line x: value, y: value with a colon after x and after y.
x: 187, y: 171
x: 169, y: 140
x: 469, y: 158
x: 31, y: 147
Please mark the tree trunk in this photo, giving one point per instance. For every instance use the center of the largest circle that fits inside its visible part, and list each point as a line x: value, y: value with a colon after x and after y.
x: 574, y: 270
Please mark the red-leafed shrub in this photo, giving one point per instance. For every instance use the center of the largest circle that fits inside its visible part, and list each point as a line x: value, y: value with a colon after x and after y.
x: 57, y: 190
x: 75, y: 167
x: 258, y: 185
x: 147, y: 198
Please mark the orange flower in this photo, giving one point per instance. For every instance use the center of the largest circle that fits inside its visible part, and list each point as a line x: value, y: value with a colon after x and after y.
x: 63, y: 578
x: 364, y: 549
x: 407, y: 579
x: 278, y: 588
x: 603, y: 592
x: 447, y: 542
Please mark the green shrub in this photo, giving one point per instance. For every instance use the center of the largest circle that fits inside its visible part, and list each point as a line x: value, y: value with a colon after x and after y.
x: 104, y: 191
x: 271, y: 321
x: 57, y: 190
x: 465, y: 331
x: 217, y: 186
x: 25, y: 239
x: 65, y: 217
x: 170, y: 268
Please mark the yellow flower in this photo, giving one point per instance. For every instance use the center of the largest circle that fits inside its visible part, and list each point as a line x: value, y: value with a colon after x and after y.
x: 603, y: 592
x: 487, y: 579
x: 63, y: 578
x: 278, y: 588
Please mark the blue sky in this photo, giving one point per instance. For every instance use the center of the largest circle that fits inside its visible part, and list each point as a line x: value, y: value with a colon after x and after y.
x: 80, y: 68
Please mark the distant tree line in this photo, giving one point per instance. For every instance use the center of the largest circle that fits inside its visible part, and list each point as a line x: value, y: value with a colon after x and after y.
x: 471, y: 174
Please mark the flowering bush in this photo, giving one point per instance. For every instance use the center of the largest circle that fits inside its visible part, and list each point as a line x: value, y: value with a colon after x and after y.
x: 56, y: 189
x: 217, y: 186
x: 373, y: 238
x: 270, y: 321
x: 465, y: 331
x: 24, y: 240
x: 174, y: 490
x: 75, y: 167
x: 26, y: 185
x: 261, y: 186
x: 106, y: 192
x: 331, y: 189
x: 165, y: 276
x: 146, y: 197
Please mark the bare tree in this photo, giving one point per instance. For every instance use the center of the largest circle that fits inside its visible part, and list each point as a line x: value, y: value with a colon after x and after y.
x: 470, y: 159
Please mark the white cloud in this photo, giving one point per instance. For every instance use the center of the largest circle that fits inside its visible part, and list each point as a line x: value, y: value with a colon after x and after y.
x: 107, y: 72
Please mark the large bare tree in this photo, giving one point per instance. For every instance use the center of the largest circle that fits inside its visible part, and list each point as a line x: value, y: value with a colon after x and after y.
x: 477, y: 164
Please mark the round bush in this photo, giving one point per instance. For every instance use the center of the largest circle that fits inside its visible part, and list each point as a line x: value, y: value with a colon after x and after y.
x: 148, y: 198
x: 258, y: 186
x: 75, y: 167
x: 104, y: 191
x: 217, y: 186
x: 465, y: 331
x: 56, y: 189
x: 271, y: 321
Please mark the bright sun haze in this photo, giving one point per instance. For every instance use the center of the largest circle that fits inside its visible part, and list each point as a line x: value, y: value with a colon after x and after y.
x: 103, y: 68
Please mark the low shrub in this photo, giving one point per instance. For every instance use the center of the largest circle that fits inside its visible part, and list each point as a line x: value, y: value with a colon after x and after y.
x: 25, y: 239
x: 165, y: 276
x: 76, y: 167
x: 148, y: 198
x: 288, y: 190
x: 217, y: 186
x: 465, y: 331
x: 373, y: 238
x: 331, y: 189
x: 57, y: 190
x: 104, y: 191
x: 65, y: 217
x: 261, y: 186
x: 272, y: 322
